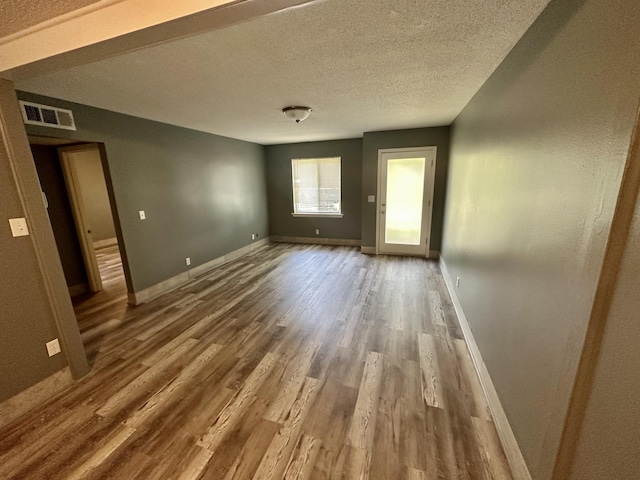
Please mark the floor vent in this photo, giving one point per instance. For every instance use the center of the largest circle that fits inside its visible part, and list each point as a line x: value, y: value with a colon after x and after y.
x: 46, y: 116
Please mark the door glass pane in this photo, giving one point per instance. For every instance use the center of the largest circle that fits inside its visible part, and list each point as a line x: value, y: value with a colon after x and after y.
x: 405, y: 191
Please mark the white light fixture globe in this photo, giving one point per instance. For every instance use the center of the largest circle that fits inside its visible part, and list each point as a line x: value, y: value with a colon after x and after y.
x: 297, y: 114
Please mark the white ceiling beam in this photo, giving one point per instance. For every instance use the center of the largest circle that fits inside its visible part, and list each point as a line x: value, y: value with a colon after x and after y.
x: 92, y: 24
x: 113, y: 27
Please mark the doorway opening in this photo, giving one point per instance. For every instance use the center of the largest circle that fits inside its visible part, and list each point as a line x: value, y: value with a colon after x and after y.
x: 405, y: 200
x: 75, y: 192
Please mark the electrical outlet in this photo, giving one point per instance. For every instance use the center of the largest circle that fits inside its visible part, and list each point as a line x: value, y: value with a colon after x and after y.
x: 143, y: 216
x: 254, y: 236
x: 371, y: 198
x: 188, y: 260
x: 457, y: 281
x: 18, y: 227
x: 317, y: 231
x: 53, y: 347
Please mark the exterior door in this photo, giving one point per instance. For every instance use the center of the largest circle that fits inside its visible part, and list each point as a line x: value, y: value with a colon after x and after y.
x: 405, y: 200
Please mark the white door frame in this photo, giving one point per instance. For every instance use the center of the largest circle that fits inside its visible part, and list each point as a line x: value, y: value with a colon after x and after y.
x: 83, y: 229
x: 430, y: 171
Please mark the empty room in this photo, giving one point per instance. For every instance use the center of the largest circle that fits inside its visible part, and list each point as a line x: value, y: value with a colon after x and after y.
x: 319, y: 239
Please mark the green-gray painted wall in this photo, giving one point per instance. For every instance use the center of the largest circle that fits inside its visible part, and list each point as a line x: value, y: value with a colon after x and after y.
x: 418, y: 137
x: 536, y: 162
x: 203, y: 194
x: 280, y: 189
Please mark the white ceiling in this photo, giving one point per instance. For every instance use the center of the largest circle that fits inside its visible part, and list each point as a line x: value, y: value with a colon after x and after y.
x: 362, y: 65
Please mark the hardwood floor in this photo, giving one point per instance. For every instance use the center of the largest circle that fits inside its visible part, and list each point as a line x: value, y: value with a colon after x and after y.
x: 293, y: 362
x: 104, y: 311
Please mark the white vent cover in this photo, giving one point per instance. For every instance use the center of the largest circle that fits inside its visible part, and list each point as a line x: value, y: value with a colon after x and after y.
x: 46, y: 116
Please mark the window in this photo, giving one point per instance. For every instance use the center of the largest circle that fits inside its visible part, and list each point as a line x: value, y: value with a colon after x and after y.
x: 316, y: 186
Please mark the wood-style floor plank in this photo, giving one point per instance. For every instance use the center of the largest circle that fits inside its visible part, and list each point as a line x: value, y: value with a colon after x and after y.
x: 363, y: 423
x: 292, y: 362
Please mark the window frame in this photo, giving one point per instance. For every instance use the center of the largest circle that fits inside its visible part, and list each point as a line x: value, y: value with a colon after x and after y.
x: 339, y: 214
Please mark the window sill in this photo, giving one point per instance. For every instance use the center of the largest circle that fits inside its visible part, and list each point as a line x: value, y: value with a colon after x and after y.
x: 323, y: 215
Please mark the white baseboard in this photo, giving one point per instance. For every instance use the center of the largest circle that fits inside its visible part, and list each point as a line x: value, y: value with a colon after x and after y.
x: 338, y: 242
x: 154, y: 291
x: 79, y: 289
x: 434, y: 254
x: 507, y: 438
x: 33, y: 396
x: 107, y: 242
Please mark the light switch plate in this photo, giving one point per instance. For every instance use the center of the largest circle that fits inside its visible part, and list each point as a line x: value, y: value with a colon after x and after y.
x: 371, y: 199
x: 143, y: 216
x: 19, y: 227
x: 53, y: 347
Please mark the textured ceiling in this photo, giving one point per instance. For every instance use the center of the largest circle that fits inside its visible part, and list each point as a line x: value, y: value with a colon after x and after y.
x: 18, y: 15
x: 362, y: 66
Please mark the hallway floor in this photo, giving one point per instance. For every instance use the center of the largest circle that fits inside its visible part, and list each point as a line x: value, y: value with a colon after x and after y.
x: 99, y: 313
x: 296, y: 362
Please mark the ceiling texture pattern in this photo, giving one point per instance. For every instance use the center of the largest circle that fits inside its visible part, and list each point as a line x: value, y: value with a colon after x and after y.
x: 361, y: 65
x: 18, y: 15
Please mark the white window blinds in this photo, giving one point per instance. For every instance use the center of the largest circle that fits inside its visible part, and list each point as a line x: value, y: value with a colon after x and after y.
x: 316, y: 185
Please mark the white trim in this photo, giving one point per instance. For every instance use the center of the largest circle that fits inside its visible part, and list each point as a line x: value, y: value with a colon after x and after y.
x: 430, y: 173
x: 318, y: 215
x: 154, y: 291
x: 338, y: 242
x: 512, y: 451
x: 33, y: 396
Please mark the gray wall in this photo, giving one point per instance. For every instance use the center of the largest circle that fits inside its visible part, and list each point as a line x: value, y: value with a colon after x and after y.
x: 536, y: 164
x: 203, y: 194
x: 419, y: 137
x: 93, y: 190
x: 280, y: 190
x: 52, y: 181
x: 26, y: 319
x: 609, y: 442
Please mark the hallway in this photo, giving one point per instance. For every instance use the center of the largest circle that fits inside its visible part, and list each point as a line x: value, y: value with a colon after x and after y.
x: 99, y: 313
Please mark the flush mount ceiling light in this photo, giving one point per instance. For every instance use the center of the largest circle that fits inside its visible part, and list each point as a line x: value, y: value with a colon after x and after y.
x: 297, y: 114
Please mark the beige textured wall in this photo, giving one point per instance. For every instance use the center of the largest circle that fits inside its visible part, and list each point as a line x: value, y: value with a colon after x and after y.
x: 609, y: 442
x: 535, y: 169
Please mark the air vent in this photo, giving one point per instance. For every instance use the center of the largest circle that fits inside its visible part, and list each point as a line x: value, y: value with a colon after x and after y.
x: 44, y: 115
